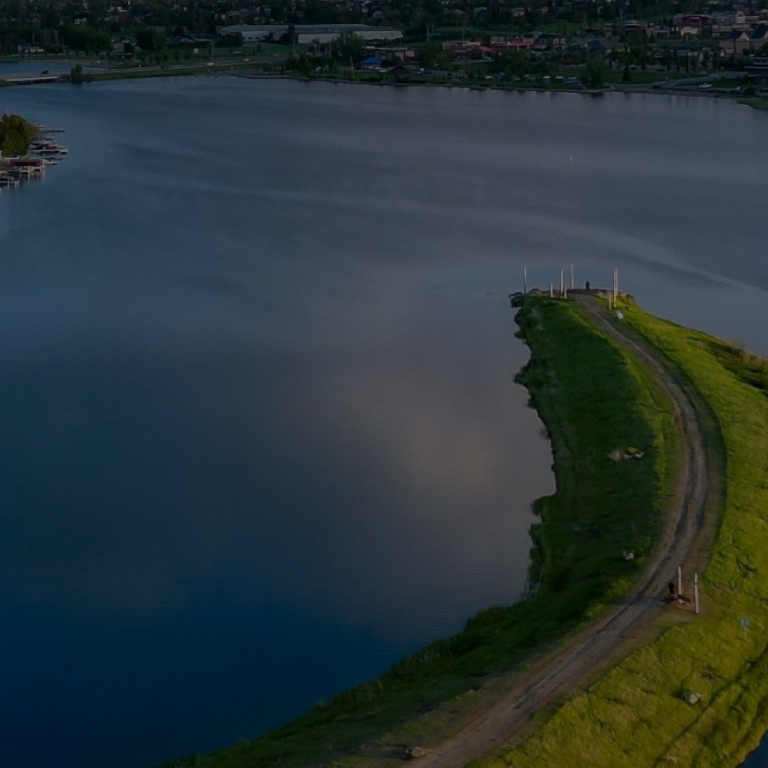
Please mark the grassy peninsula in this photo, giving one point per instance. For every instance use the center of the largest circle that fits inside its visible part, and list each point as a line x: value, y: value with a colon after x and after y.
x: 694, y: 689
x: 643, y: 713
x: 595, y: 399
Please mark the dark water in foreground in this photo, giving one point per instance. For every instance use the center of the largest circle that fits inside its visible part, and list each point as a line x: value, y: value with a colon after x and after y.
x: 259, y: 432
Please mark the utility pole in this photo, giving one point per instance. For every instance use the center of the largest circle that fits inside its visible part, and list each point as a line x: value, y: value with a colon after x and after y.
x: 696, y: 592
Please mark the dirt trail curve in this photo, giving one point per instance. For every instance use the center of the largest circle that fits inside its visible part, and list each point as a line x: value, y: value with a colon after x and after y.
x: 566, y: 667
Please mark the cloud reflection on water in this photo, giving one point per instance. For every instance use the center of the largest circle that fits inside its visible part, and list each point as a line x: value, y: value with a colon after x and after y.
x: 242, y: 433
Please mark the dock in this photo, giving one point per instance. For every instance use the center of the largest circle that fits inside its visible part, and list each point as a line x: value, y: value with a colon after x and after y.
x: 31, y: 79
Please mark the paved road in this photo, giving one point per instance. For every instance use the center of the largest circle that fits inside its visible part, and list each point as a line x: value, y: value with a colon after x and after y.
x: 568, y: 666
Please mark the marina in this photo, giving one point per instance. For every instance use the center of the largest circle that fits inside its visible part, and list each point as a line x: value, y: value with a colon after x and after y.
x: 41, y: 153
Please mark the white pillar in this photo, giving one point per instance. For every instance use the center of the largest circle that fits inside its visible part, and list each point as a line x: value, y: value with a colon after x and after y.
x: 696, y: 592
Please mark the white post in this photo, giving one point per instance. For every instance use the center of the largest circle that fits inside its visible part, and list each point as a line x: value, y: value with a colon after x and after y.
x: 679, y: 580
x: 572, y: 285
x: 551, y: 291
x: 562, y: 284
x: 525, y: 279
x: 696, y: 592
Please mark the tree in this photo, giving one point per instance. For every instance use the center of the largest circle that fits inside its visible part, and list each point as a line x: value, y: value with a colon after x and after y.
x: 149, y: 39
x: 428, y: 55
x: 15, y: 135
x: 350, y: 46
x: 76, y: 74
x: 288, y: 37
x: 595, y: 74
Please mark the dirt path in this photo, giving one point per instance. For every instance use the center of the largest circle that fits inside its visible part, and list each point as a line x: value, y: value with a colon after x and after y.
x: 565, y: 668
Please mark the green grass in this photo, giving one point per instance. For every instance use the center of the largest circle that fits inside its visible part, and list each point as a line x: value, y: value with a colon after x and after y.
x: 637, y: 715
x: 594, y: 398
x: 175, y: 71
x: 727, y: 82
x: 757, y: 102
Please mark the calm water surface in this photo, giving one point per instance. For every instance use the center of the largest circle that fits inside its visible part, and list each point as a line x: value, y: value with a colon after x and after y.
x: 259, y: 436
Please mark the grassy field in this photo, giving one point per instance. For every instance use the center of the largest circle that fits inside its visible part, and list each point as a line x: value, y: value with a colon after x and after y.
x: 642, y: 713
x: 594, y: 399
x: 758, y: 102
x: 171, y: 71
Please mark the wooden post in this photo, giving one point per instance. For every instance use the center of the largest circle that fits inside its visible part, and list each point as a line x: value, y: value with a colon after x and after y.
x: 525, y: 279
x: 696, y: 592
x: 679, y: 580
x: 572, y: 283
x: 565, y: 293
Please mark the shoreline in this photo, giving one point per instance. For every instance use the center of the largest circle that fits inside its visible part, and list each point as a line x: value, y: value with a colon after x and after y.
x: 697, y: 694
x: 590, y: 92
x: 250, y: 71
x: 668, y: 689
x: 431, y: 695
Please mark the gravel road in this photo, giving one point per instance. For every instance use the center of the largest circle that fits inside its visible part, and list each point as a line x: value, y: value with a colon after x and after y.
x: 574, y: 662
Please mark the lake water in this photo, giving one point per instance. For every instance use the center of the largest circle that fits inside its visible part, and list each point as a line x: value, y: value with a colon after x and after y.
x: 260, y: 437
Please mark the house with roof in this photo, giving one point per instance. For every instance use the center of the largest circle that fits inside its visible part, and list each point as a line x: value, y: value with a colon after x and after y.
x: 372, y: 63
x: 759, y: 35
x: 735, y: 42
x: 757, y: 71
x: 585, y: 49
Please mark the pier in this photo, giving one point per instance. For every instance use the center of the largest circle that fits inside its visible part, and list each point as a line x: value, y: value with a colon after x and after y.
x: 564, y: 289
x: 31, y: 79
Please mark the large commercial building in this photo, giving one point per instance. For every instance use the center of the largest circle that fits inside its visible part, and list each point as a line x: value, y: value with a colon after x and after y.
x: 310, y: 33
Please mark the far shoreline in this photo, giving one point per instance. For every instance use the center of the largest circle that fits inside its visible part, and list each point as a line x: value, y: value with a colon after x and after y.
x: 251, y: 71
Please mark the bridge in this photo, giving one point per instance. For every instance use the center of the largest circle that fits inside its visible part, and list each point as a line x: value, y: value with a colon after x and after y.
x: 31, y: 79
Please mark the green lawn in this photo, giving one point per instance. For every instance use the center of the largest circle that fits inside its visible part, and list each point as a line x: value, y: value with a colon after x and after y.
x: 757, y: 102
x: 170, y: 71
